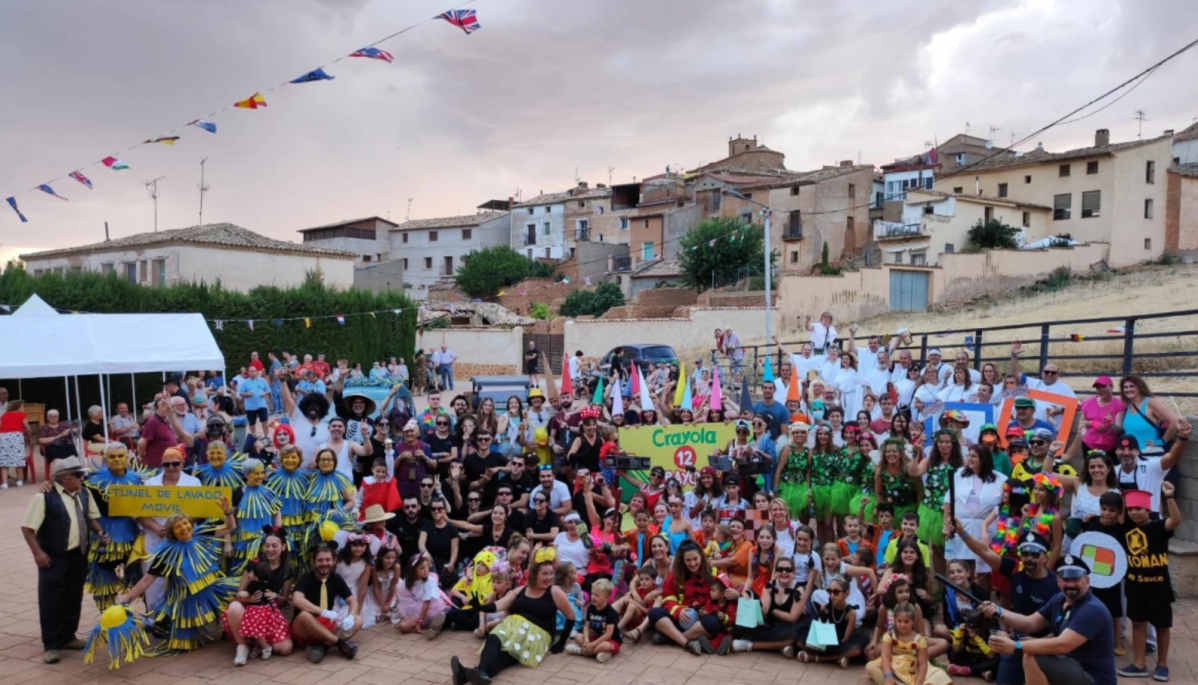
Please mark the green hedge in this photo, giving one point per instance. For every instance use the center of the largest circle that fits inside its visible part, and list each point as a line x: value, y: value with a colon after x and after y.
x: 362, y: 338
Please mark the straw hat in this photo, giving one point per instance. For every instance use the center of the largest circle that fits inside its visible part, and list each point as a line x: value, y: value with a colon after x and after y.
x: 374, y: 514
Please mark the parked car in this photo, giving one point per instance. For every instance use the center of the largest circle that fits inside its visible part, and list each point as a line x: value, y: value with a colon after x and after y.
x: 499, y: 389
x: 644, y: 356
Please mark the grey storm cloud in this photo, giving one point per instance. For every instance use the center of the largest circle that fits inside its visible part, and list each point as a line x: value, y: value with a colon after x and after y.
x: 544, y: 91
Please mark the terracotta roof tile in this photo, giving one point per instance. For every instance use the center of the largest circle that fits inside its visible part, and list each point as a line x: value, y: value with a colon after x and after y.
x: 1187, y: 170
x: 450, y: 221
x: 1036, y: 157
x: 217, y: 235
x: 347, y: 222
x: 567, y: 196
x: 1188, y: 133
x: 662, y: 268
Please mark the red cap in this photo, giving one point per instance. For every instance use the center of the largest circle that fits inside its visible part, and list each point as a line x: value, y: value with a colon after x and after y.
x: 1102, y: 380
x: 1137, y: 499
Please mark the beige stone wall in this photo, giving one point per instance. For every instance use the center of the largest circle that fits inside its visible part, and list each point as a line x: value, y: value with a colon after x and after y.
x: 480, y: 350
x: 1188, y: 215
x: 595, y: 337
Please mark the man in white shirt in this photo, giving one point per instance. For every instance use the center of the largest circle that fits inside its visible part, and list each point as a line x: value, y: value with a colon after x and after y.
x: 1140, y: 473
x: 576, y: 367
x: 559, y: 493
x: 124, y: 426
x: 1049, y: 381
x: 943, y: 371
x: 444, y: 359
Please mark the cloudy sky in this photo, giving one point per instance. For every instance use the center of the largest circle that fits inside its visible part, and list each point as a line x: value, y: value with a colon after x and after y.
x: 543, y: 92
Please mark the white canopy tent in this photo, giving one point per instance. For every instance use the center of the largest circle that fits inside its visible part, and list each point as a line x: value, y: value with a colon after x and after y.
x: 38, y: 342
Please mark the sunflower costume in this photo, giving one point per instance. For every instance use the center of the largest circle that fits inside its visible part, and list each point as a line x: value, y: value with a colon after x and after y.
x: 196, y: 591
x: 104, y: 559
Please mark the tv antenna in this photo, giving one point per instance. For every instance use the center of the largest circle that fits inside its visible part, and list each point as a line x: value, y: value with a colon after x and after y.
x: 993, y: 130
x: 1140, y: 117
x: 610, y: 169
x: 152, y: 188
x: 203, y: 189
x: 967, y: 128
x: 408, y: 216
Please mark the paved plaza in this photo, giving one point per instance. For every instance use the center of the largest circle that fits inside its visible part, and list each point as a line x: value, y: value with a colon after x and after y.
x: 388, y: 658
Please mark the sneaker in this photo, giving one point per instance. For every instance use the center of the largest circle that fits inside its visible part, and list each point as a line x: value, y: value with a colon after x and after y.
x: 804, y: 656
x: 633, y: 635
x: 1120, y: 650
x: 478, y: 632
x: 435, y: 626
x: 1133, y: 671
x: 316, y: 653
x: 694, y: 648
x: 705, y: 645
x: 458, y: 673
x: 348, y: 649
x: 954, y: 669
x: 1161, y: 674
x: 475, y: 676
x: 266, y: 652
x: 51, y: 656
x: 243, y: 655
x: 742, y: 646
x: 20, y: 483
x: 76, y: 644
x: 788, y: 652
x: 4, y: 486
x: 574, y: 648
x: 659, y: 639
x: 725, y: 646
x: 604, y: 657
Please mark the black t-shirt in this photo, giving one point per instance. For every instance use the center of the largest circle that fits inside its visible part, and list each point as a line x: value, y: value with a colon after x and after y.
x: 407, y: 532
x: 91, y: 430
x: 438, y: 446
x: 273, y: 582
x: 598, y: 621
x: 1028, y: 595
x: 475, y: 465
x: 439, y: 542
x: 542, y: 526
x: 309, y: 585
x: 1147, y: 548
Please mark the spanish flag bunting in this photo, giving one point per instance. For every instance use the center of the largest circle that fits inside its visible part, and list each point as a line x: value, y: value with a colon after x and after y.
x: 253, y: 102
x: 307, y: 322
x: 1076, y: 337
x: 169, y: 140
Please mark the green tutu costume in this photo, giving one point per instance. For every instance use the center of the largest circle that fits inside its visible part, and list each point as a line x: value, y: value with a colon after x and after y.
x: 931, y: 510
x: 523, y: 640
x: 793, y: 486
x: 900, y: 493
x: 855, y: 471
x: 825, y: 469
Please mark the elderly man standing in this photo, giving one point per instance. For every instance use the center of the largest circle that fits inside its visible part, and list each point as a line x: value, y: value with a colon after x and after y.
x: 445, y: 358
x: 55, y: 530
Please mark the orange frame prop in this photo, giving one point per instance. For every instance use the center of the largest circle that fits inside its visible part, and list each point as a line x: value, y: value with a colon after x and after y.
x: 1066, y: 425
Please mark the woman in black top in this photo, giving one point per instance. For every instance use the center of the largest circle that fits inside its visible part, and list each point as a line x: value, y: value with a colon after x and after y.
x: 498, y: 534
x: 782, y: 606
x: 440, y: 543
x: 255, y: 613
x: 93, y: 431
x: 525, y: 635
x: 584, y: 453
x: 441, y: 445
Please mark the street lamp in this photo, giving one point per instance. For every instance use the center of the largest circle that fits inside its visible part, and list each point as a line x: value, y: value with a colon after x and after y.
x: 766, y: 224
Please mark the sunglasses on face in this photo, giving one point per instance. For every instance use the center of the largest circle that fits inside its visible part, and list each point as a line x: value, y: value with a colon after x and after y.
x: 835, y: 593
x: 1050, y: 373
x: 784, y: 570
x: 1037, y: 442
x: 437, y: 508
x: 484, y: 439
x: 538, y: 501
x: 171, y: 464
x: 473, y: 499
x: 426, y: 485
x: 410, y: 507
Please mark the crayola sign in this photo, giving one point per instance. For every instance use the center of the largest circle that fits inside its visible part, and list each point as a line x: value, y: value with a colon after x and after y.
x: 675, y: 448
x: 164, y: 500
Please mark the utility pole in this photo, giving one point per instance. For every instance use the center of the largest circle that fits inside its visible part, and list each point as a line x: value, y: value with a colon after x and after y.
x: 203, y: 189
x: 1140, y: 117
x: 152, y: 187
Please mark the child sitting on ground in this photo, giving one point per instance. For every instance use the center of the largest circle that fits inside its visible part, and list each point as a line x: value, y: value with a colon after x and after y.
x: 956, y: 607
x: 852, y: 540
x: 501, y: 583
x: 971, y: 653
x: 566, y: 578
x: 601, y: 635
x: 634, y: 606
x: 903, y: 655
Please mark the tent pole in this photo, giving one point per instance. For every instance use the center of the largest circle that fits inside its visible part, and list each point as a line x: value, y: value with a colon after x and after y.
x: 78, y: 405
x: 133, y: 383
x: 66, y: 384
x: 104, y: 405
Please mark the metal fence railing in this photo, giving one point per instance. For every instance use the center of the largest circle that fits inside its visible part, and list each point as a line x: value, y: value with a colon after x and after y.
x: 1126, y: 346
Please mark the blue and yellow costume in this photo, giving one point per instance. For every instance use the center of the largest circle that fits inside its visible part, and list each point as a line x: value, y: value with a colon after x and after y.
x: 329, y: 488
x: 104, y: 559
x: 220, y: 471
x: 256, y: 507
x: 196, y: 590
x: 291, y: 484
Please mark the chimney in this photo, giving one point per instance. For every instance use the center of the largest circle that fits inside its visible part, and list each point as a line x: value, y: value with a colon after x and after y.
x: 1168, y: 131
x: 846, y: 162
x: 582, y: 184
x: 600, y: 185
x: 510, y: 202
x: 1102, y: 137
x: 1039, y: 147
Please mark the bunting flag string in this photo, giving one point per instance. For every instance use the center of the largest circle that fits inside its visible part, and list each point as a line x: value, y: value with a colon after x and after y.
x: 341, y: 319
x: 220, y: 325
x: 49, y: 191
x: 250, y: 323
x: 78, y: 176
x: 467, y: 20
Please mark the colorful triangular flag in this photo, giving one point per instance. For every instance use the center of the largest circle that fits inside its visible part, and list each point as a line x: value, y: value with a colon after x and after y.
x: 372, y: 315
x: 5, y: 307
x: 252, y: 102
x: 78, y: 176
x: 49, y: 191
x: 501, y: 293
x: 717, y: 398
x: 566, y: 280
x: 220, y: 324
x: 314, y: 75
x: 373, y: 53
x: 587, y: 282
x: 114, y: 163
x: 206, y: 125
x: 598, y: 396
x: 467, y: 20
x: 169, y: 140
x: 12, y: 202
x: 278, y: 323
x: 307, y: 322
x: 250, y: 323
x: 341, y: 319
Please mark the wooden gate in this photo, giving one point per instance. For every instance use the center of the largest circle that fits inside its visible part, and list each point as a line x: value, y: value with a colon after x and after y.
x: 553, y: 345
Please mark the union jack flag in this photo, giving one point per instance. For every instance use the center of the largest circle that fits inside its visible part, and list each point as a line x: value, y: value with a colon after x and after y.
x: 78, y: 176
x: 467, y: 20
x: 373, y: 53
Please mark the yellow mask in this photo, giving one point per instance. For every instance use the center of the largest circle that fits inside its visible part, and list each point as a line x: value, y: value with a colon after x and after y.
x: 291, y: 461
x: 216, y: 455
x: 117, y: 460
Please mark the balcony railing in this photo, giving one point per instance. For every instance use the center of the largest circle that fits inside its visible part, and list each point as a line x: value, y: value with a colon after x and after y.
x: 530, y: 240
x: 792, y: 233
x: 582, y: 235
x: 893, y: 229
x: 623, y: 263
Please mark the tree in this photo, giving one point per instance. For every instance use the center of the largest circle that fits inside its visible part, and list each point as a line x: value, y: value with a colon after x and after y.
x: 540, y: 311
x: 592, y: 302
x: 485, y: 272
x: 720, y: 251
x: 993, y: 234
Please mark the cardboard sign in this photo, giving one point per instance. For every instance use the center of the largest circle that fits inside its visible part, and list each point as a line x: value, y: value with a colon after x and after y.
x: 1104, y: 555
x: 164, y: 500
x: 1065, y: 427
x: 675, y: 448
x: 978, y: 415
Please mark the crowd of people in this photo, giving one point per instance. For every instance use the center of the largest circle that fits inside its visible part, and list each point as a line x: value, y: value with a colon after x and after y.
x: 832, y: 528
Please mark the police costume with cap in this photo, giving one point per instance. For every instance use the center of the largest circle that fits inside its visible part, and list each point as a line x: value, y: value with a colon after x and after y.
x: 1028, y: 595
x: 1077, y: 610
